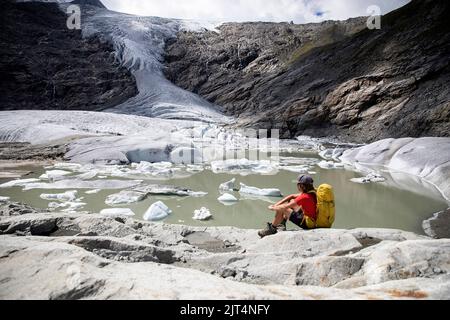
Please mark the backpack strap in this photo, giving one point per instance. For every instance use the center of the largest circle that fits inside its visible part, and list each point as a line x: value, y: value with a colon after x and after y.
x: 314, y: 192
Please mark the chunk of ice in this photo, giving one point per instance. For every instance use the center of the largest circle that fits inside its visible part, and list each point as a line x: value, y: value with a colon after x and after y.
x: 331, y: 165
x: 71, y: 206
x: 18, y: 183
x: 228, y: 186
x: 370, y: 178
x: 332, y: 154
x: 4, y: 199
x: 260, y: 192
x: 54, y: 175
x: 118, y: 212
x: 157, y: 211
x: 202, y: 214
x: 125, y: 197
x: 244, y: 167
x: 88, y: 175
x: 296, y: 169
x: 66, y: 166
x: 62, y: 197
x: 81, y: 184
x: 95, y: 191
x: 155, y: 189
x: 227, y: 198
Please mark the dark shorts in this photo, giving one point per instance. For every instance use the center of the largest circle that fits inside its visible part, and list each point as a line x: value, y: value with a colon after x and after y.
x: 297, y: 219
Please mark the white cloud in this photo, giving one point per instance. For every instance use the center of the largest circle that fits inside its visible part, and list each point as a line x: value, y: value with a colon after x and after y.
x: 300, y: 11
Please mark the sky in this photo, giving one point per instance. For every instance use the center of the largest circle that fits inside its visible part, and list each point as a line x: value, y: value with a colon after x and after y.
x: 299, y: 11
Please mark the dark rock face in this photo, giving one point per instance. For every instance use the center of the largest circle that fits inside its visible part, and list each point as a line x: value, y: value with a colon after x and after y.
x: 11, y: 209
x: 438, y: 226
x: 338, y: 79
x: 44, y: 65
x: 26, y: 151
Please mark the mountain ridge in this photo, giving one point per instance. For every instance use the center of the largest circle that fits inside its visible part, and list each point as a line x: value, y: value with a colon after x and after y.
x: 360, y: 86
x: 46, y: 66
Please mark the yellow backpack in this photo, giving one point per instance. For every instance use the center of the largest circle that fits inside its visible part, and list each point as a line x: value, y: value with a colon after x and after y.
x: 326, y: 210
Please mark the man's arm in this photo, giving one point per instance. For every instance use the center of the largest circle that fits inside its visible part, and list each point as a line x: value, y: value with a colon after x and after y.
x: 287, y: 199
x: 288, y: 205
x: 285, y: 203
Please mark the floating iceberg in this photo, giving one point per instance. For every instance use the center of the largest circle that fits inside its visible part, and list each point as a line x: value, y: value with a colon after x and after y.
x: 158, y: 168
x: 298, y: 161
x: 163, y: 190
x: 244, y: 167
x: 259, y: 192
x: 117, y: 212
x: 65, y: 166
x: 298, y: 165
x: 332, y: 154
x: 195, y: 168
x: 95, y: 191
x: 202, y: 214
x: 62, y: 197
x: 228, y: 186
x: 54, y: 175
x: 4, y: 199
x: 157, y: 211
x: 331, y: 165
x: 81, y: 184
x: 297, y: 169
x: 71, y: 206
x: 125, y: 197
x: 56, y: 205
x: 18, y: 183
x: 227, y: 198
x: 87, y: 176
x: 370, y: 178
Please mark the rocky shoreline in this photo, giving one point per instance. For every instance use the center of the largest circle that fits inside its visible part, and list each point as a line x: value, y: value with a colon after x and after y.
x: 75, y: 256
x: 22, y: 151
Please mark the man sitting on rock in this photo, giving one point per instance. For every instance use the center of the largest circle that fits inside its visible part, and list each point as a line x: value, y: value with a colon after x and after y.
x: 300, y: 209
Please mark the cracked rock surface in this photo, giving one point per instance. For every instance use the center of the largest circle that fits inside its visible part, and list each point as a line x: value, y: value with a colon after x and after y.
x: 75, y: 256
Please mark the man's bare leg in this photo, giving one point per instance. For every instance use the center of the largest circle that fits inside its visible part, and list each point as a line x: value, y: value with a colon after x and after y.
x: 281, y: 215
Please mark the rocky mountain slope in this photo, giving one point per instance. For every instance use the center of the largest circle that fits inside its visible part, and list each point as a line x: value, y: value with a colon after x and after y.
x: 44, y: 65
x: 333, y: 78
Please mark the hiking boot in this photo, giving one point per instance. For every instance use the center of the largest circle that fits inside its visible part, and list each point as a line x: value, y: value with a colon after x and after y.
x: 282, y: 226
x: 270, y: 230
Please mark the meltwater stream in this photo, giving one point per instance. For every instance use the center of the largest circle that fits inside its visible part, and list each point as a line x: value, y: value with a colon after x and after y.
x: 376, y: 205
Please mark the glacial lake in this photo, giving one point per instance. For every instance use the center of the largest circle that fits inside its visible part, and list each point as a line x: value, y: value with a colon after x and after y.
x: 374, y: 205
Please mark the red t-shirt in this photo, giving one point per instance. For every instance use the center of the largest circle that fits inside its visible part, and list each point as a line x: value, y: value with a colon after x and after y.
x: 308, y: 202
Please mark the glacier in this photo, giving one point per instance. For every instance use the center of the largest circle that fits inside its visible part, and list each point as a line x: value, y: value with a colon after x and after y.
x: 139, y: 44
x: 424, y: 158
x: 136, y: 130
